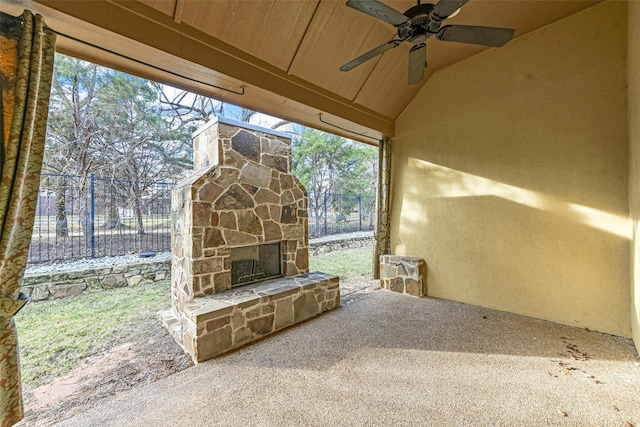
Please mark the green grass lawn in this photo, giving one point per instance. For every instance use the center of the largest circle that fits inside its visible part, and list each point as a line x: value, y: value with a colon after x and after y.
x: 352, y: 265
x: 56, y: 335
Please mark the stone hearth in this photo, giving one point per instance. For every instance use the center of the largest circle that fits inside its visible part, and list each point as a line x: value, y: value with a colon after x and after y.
x: 224, y: 321
x: 241, y: 195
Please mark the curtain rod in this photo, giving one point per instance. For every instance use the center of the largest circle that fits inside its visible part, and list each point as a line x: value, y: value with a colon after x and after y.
x: 346, y: 130
x: 18, y: 20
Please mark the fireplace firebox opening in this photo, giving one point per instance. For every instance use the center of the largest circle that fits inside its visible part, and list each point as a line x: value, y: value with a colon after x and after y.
x: 255, y: 263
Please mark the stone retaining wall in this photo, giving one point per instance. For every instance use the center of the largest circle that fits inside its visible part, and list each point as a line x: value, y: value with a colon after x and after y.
x: 62, y: 284
x: 324, y: 247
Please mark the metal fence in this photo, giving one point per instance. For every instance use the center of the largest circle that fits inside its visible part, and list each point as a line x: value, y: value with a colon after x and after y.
x: 87, y: 217
x: 331, y: 213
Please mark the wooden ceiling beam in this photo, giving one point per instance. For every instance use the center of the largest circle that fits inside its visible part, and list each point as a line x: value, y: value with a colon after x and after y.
x: 150, y: 27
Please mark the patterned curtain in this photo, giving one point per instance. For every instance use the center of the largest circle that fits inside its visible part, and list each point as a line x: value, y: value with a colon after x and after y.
x: 382, y: 224
x: 26, y: 66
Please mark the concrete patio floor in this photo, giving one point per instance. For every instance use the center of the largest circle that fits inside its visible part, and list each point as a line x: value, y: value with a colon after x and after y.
x: 384, y: 359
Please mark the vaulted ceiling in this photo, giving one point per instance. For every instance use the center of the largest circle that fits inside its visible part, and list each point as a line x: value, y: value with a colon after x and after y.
x: 284, y: 55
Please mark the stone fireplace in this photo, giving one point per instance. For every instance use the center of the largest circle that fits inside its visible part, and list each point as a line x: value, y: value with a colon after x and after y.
x: 240, y: 243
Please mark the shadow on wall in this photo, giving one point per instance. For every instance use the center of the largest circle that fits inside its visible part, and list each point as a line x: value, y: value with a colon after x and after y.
x: 509, y: 248
x: 450, y: 183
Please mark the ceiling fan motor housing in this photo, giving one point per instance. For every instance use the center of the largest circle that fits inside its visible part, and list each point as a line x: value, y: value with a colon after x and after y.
x: 422, y: 23
x: 419, y: 14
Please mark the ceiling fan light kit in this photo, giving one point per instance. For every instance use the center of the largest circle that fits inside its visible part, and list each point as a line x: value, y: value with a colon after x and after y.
x: 421, y: 22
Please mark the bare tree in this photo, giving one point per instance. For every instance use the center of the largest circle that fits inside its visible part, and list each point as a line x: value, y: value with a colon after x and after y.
x: 184, y: 108
x: 144, y: 146
x: 111, y: 124
x: 280, y: 123
x: 72, y: 130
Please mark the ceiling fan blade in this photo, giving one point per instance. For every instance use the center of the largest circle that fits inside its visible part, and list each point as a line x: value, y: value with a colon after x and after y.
x: 445, y: 8
x: 417, y: 63
x: 371, y: 54
x: 380, y: 11
x: 487, y: 36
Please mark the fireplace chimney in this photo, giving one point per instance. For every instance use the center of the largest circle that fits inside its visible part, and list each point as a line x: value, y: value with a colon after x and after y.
x: 241, y: 195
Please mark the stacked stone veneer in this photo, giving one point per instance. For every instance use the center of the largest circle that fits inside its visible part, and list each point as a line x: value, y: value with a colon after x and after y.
x: 402, y: 274
x: 325, y: 245
x: 66, y: 283
x: 250, y: 197
x: 225, y: 321
x: 242, y: 194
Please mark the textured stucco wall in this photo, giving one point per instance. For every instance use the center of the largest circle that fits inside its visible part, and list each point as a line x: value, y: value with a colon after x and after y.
x: 510, y: 173
x: 634, y: 158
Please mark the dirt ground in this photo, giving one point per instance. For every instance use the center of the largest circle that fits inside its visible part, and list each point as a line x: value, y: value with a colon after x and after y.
x: 147, y: 359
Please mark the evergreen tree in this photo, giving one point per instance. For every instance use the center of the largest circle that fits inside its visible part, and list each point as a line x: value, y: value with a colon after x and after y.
x: 326, y: 163
x: 108, y: 123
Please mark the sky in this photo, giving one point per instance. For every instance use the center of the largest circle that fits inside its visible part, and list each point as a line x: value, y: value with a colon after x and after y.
x: 234, y: 112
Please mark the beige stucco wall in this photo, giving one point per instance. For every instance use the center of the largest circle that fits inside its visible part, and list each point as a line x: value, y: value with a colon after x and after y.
x: 510, y: 174
x: 634, y: 175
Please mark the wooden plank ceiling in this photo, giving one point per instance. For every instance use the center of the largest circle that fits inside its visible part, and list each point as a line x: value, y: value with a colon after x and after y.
x: 311, y: 39
x: 299, y: 43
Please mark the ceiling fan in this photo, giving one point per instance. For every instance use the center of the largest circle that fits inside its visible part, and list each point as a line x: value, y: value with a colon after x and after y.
x: 421, y: 22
